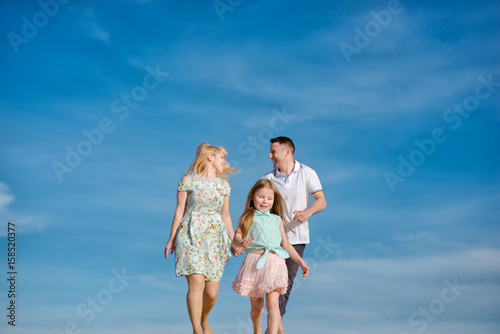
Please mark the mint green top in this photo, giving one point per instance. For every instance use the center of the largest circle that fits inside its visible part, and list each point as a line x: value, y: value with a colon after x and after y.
x: 265, y: 230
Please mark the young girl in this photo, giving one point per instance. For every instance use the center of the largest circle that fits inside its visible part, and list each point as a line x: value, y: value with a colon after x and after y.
x: 263, y: 271
x: 202, y: 231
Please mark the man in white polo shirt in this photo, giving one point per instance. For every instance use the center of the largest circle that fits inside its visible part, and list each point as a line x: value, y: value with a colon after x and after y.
x: 295, y: 181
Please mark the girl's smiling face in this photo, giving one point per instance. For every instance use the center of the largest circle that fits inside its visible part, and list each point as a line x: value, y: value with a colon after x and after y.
x: 263, y: 199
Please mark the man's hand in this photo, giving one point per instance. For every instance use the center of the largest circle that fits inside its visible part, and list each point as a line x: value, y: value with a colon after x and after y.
x: 302, y: 216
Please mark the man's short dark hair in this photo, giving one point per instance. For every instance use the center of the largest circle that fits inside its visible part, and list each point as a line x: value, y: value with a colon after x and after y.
x: 284, y: 140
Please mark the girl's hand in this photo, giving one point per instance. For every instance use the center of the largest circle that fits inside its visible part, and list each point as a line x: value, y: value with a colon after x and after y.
x: 247, y: 242
x: 169, y: 247
x: 305, y: 269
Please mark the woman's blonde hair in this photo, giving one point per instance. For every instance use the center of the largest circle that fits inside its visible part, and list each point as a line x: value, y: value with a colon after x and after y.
x: 278, y: 208
x: 202, y: 154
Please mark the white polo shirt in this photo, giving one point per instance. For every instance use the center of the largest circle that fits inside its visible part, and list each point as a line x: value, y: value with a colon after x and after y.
x: 296, y: 190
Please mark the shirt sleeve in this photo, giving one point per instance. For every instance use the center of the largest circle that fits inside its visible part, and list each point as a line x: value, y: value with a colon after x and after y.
x: 185, y: 186
x: 226, y: 191
x: 313, y: 184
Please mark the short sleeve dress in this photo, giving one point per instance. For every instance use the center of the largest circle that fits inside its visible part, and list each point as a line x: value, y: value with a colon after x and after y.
x: 202, y: 245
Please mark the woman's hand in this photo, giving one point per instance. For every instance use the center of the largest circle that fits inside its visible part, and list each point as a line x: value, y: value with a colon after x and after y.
x: 236, y: 251
x: 169, y: 247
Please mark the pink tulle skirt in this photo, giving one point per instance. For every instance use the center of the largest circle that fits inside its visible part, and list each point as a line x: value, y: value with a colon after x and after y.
x: 253, y: 282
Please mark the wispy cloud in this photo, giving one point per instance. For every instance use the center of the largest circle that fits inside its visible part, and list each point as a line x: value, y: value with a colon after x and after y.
x: 89, y: 22
x: 22, y: 222
x: 5, y: 197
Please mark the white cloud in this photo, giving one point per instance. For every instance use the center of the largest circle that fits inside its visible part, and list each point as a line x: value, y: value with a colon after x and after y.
x: 93, y: 29
x: 5, y: 197
x: 99, y: 33
x: 22, y: 222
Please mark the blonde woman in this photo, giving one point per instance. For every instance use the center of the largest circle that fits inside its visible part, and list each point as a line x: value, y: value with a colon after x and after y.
x: 202, y: 231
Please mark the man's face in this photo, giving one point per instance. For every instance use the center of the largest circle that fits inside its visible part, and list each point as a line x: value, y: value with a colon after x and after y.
x: 277, y: 154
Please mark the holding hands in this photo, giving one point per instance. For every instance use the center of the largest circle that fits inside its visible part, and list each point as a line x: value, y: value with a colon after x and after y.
x: 236, y: 249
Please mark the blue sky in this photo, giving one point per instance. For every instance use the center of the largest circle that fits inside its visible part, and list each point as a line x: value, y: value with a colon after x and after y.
x: 394, y: 104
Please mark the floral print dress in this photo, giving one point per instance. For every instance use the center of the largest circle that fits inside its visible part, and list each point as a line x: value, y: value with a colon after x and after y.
x: 202, y: 245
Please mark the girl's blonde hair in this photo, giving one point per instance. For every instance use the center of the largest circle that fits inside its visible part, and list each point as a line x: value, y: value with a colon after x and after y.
x: 202, y: 154
x: 278, y: 208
